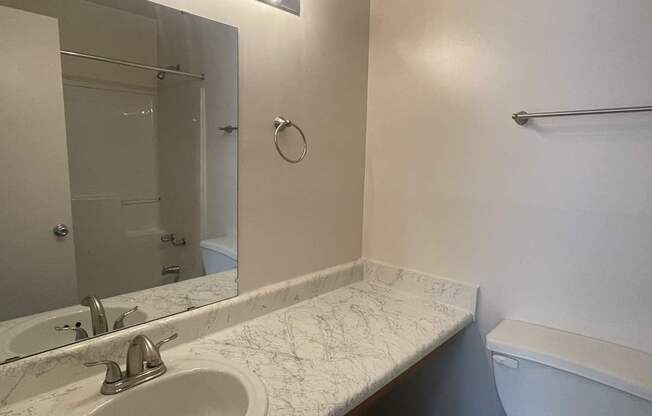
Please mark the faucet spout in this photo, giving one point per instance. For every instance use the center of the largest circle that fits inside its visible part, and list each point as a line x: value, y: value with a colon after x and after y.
x: 142, y: 351
x: 98, y: 316
x: 144, y: 363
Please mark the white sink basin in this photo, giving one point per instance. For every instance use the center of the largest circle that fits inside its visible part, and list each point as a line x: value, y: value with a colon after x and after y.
x: 35, y: 336
x: 192, y: 387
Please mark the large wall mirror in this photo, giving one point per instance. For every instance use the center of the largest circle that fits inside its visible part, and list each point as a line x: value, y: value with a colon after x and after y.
x: 118, y: 167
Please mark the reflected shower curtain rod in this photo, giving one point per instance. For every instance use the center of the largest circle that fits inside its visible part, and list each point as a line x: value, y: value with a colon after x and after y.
x: 130, y: 64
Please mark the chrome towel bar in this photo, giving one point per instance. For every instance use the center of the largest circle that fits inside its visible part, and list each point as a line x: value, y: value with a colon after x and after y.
x: 521, y: 118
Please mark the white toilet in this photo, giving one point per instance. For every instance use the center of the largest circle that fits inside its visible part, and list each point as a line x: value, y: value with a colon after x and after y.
x: 541, y: 371
x: 219, y: 254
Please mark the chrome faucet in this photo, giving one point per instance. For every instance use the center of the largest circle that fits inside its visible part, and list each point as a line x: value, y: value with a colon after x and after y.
x: 144, y: 363
x: 98, y: 316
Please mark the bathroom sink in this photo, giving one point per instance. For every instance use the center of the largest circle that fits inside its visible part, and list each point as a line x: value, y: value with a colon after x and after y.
x: 34, y: 336
x: 192, y: 387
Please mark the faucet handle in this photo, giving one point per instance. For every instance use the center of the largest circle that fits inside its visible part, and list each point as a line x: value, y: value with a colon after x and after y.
x: 113, y: 371
x: 119, y: 323
x: 166, y: 340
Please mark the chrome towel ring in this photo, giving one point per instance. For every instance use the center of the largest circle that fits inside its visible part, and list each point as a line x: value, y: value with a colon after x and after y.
x: 281, y: 123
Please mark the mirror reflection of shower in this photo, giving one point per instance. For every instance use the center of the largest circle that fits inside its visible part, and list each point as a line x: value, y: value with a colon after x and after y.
x: 150, y: 203
x: 151, y: 126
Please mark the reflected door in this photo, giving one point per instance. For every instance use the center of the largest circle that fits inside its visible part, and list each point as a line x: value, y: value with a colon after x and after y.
x: 37, y: 269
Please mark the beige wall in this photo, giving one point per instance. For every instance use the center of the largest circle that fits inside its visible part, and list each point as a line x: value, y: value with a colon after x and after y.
x: 553, y: 220
x: 312, y: 69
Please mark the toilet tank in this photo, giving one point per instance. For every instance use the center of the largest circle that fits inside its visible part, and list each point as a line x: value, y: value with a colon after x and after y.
x: 541, y: 371
x: 219, y: 254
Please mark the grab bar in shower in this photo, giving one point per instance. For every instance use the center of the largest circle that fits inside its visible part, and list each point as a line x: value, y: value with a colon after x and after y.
x: 127, y: 202
x: 521, y: 118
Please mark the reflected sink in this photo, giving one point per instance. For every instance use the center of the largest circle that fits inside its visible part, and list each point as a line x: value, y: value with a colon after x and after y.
x: 35, y: 336
x: 192, y: 387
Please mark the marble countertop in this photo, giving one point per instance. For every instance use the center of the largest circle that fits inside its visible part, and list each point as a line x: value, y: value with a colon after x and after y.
x: 322, y: 356
x: 326, y: 355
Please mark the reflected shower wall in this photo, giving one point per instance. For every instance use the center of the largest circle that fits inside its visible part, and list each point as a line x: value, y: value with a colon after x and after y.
x: 113, y: 148
x: 151, y: 206
x: 179, y: 127
x: 215, y: 170
x: 147, y: 154
x: 145, y: 160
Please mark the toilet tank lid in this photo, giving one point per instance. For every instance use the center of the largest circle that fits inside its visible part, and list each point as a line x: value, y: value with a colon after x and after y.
x: 617, y: 366
x: 226, y: 245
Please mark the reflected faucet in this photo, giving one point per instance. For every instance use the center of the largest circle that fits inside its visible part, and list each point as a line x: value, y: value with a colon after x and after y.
x: 98, y: 316
x: 80, y: 333
x: 120, y: 322
x: 174, y: 270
